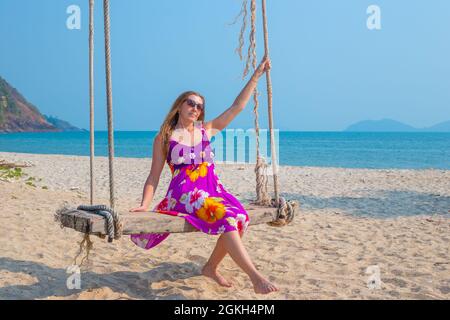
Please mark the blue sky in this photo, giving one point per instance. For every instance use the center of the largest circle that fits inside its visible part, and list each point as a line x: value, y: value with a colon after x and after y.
x: 329, y: 70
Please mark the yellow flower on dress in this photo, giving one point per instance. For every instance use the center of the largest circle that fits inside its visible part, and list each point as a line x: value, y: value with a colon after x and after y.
x: 212, y: 210
x: 203, y: 169
x: 192, y: 174
x: 200, y: 171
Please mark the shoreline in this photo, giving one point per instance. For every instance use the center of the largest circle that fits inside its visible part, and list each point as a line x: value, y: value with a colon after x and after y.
x: 24, y: 154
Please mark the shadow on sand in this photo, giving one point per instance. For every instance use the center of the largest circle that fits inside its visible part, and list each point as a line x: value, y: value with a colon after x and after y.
x: 52, y: 281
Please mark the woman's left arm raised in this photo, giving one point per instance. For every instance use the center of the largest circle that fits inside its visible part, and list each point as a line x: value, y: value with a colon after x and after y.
x: 218, y: 124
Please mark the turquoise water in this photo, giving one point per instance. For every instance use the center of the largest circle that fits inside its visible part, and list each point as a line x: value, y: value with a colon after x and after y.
x: 327, y: 149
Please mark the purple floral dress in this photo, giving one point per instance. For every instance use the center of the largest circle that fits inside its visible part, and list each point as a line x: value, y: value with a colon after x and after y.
x: 196, y: 194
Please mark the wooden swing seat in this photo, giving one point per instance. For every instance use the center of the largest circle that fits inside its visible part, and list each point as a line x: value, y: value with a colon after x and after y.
x: 149, y: 222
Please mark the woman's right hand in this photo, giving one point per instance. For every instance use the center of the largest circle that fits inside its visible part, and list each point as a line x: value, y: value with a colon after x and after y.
x: 139, y: 209
x: 264, y: 66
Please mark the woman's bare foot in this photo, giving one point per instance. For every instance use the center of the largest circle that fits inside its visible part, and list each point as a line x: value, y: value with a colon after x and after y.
x: 263, y: 286
x: 212, y: 273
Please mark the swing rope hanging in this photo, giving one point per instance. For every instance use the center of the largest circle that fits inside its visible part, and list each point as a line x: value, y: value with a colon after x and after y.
x: 104, y: 221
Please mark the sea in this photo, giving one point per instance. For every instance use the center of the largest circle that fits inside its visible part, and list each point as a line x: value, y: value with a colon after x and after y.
x: 380, y: 150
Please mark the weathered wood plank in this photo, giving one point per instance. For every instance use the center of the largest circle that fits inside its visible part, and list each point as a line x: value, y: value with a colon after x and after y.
x: 149, y: 222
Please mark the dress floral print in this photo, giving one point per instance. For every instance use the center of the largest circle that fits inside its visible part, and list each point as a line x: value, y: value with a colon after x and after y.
x: 196, y: 194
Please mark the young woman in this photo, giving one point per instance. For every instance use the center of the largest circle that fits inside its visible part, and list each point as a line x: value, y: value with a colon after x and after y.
x: 195, y: 192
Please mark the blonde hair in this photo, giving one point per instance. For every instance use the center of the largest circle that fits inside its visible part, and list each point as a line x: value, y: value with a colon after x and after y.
x: 171, y: 119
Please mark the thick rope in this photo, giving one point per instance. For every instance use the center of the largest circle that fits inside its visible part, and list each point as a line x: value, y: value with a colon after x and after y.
x: 285, y: 212
x: 269, y: 105
x: 91, y: 94
x: 109, y: 103
x: 262, y: 197
x: 114, y: 223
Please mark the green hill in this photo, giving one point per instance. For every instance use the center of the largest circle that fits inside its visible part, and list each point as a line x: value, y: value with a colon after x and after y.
x: 19, y: 115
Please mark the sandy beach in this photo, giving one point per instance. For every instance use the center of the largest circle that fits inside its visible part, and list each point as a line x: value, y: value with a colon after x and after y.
x: 349, y: 220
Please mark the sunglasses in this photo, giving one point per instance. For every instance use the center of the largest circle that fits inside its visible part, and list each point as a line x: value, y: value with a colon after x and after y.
x: 194, y: 104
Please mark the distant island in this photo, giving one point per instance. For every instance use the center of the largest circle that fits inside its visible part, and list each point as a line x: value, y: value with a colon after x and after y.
x: 389, y: 125
x: 18, y: 115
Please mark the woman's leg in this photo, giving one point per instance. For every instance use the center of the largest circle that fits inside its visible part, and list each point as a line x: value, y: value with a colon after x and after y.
x: 210, y: 268
x: 234, y: 246
x: 231, y: 243
x: 219, y: 252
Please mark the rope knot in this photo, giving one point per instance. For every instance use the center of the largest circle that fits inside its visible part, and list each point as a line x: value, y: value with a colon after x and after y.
x: 114, y: 224
x: 285, y: 211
